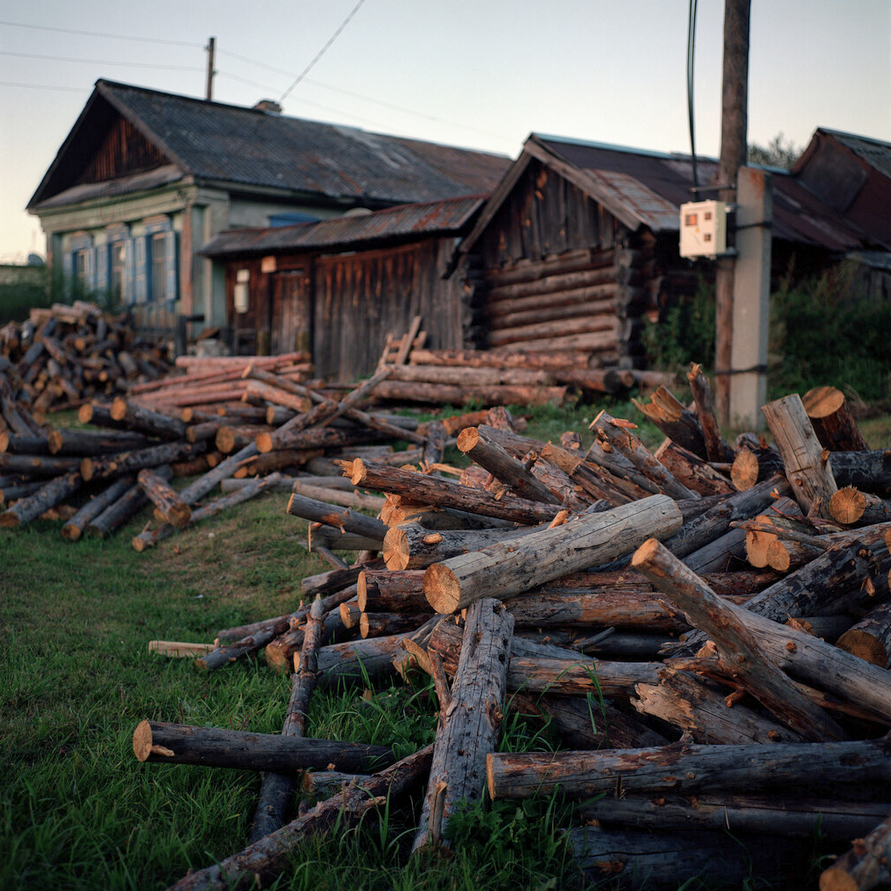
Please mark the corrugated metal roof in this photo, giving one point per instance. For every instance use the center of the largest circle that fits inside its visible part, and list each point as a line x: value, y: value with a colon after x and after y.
x: 873, y: 151
x: 242, y: 146
x: 651, y: 186
x: 395, y: 223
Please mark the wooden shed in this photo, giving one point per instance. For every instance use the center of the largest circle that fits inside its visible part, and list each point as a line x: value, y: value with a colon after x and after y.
x: 578, y: 244
x: 338, y: 287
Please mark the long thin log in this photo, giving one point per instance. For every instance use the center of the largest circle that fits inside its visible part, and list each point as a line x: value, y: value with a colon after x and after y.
x: 345, y: 519
x: 276, y: 789
x: 684, y: 769
x: 469, y: 721
x: 503, y: 570
x: 266, y: 858
x: 171, y: 508
x: 716, y: 449
x: 74, y: 528
x: 197, y: 489
x: 156, y: 741
x: 154, y: 423
x: 425, y: 489
x: 617, y: 436
x: 47, y: 496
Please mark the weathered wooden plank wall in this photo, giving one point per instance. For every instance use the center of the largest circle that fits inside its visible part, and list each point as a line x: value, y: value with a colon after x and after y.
x: 361, y: 297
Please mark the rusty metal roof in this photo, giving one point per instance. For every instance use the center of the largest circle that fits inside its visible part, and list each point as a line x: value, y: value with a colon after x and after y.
x: 873, y: 151
x: 255, y: 149
x: 382, y: 226
x: 647, y: 188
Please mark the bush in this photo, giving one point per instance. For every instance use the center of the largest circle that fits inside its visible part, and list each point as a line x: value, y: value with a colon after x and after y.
x: 822, y: 332
x: 18, y: 297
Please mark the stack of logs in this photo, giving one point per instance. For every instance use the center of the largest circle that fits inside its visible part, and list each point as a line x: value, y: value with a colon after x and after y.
x: 505, y: 377
x: 66, y: 354
x: 607, y: 592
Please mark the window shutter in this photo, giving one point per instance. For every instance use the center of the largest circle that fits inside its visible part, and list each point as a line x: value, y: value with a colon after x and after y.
x: 102, y: 283
x: 129, y: 273
x: 142, y: 268
x: 170, y: 289
x: 90, y: 270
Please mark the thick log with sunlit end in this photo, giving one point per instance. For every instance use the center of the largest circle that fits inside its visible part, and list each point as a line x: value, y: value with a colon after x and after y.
x: 855, y: 508
x: 509, y: 568
x: 832, y: 420
x: 158, y: 741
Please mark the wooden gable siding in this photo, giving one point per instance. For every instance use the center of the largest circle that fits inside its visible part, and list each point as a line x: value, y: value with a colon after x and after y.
x: 362, y: 297
x: 545, y: 215
x: 123, y: 151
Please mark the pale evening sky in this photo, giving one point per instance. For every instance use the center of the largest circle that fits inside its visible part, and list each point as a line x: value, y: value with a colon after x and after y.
x: 476, y: 73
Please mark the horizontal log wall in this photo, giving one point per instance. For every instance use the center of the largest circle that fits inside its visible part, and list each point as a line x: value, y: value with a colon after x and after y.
x: 561, y: 273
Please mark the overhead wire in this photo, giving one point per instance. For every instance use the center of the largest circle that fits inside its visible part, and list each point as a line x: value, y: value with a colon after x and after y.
x: 164, y: 40
x: 101, y: 61
x: 691, y: 52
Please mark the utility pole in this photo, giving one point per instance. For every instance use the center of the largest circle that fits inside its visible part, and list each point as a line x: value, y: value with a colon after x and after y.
x: 210, y: 72
x: 734, y: 126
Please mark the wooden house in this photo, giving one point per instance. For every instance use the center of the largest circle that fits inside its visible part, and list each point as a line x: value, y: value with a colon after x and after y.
x: 338, y: 287
x: 579, y: 243
x: 144, y: 179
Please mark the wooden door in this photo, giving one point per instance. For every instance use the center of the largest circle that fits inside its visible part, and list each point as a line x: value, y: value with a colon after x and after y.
x: 291, y: 318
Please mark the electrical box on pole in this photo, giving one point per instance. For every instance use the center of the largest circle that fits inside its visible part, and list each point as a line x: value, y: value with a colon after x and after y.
x: 704, y: 229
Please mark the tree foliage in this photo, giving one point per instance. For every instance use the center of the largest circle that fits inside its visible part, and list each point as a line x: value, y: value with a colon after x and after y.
x: 777, y: 153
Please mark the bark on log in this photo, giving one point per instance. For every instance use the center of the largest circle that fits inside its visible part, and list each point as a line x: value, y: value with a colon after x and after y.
x: 735, y: 642
x: 783, y: 816
x: 391, y: 591
x: 502, y: 570
x: 110, y: 466
x: 442, y: 394
x: 276, y: 789
x: 47, y: 496
x: 870, y: 471
x: 852, y: 507
x: 344, y: 519
x: 491, y: 456
x: 93, y: 442
x: 619, y: 438
x: 469, y: 721
x: 682, y: 768
x: 156, y: 741
x: 134, y: 417
x: 424, y: 489
x: 691, y: 470
x: 171, y: 507
x: 266, y: 858
x: 832, y: 420
x: 357, y: 660
x: 865, y: 865
x: 74, y: 528
x: 812, y: 481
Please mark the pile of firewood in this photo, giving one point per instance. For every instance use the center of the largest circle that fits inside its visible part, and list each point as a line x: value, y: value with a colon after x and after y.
x: 627, y: 598
x: 505, y: 377
x: 64, y: 355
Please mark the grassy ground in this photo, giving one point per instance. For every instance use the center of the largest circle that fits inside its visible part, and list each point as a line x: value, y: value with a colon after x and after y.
x: 77, y: 811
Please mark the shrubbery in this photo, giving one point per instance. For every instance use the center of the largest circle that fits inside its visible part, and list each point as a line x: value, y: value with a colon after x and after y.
x: 821, y: 333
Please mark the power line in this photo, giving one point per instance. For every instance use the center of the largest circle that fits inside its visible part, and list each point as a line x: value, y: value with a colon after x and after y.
x: 6, y: 83
x: 101, y: 62
x: 322, y: 51
x: 100, y: 34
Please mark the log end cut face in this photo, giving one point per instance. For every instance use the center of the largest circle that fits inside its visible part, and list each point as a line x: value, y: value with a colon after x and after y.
x: 442, y: 589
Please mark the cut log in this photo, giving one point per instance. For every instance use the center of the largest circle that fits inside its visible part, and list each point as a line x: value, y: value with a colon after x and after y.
x: 391, y: 591
x: 503, y: 570
x: 47, y: 496
x: 754, y: 465
x: 469, y: 721
x: 716, y: 448
x: 832, y: 420
x: 735, y: 642
x: 74, y: 528
x: 491, y: 456
x: 692, y: 705
x: 424, y: 489
x: 269, y: 856
x: 615, y: 435
x: 812, y: 481
x: 679, y: 424
x: 156, y: 741
x: 684, y: 769
x: 344, y: 519
x: 852, y: 507
x: 171, y: 508
x: 111, y: 466
x: 144, y: 420
x: 865, y: 865
x: 783, y: 816
x: 276, y: 789
x: 870, y: 638
x: 691, y: 470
